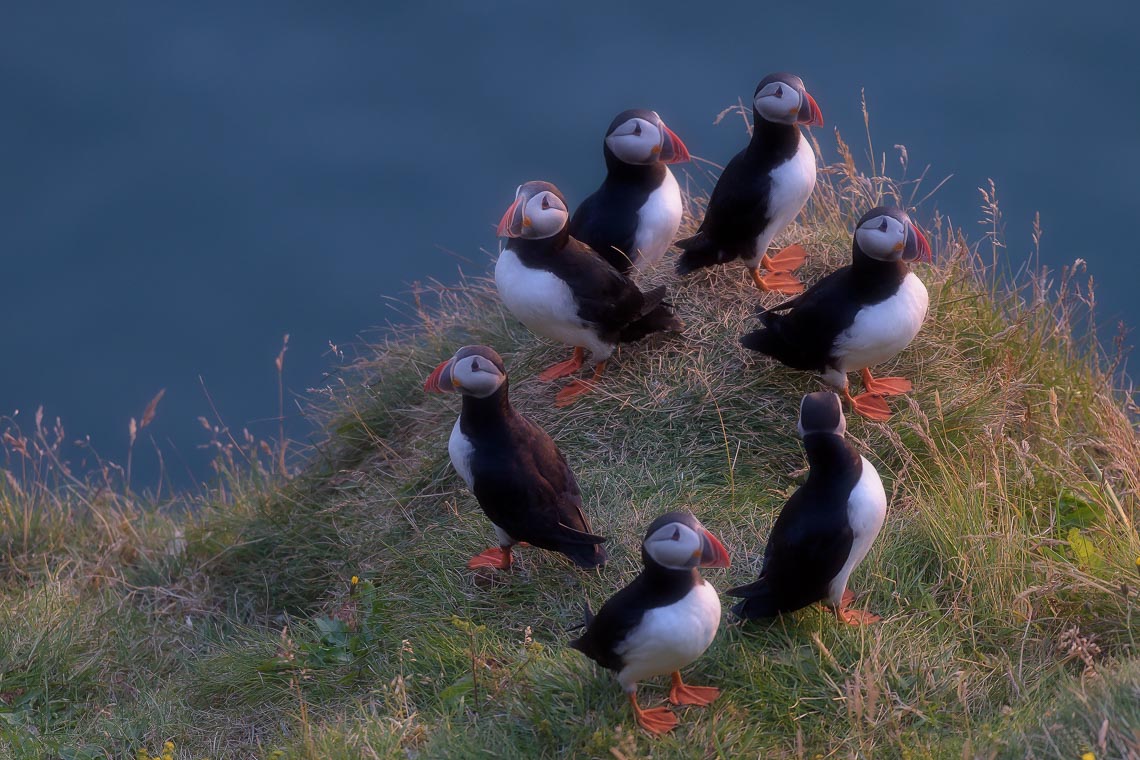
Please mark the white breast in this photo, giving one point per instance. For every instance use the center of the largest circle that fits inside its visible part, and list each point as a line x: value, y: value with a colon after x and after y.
x: 792, y: 184
x: 881, y: 331
x: 866, y: 510
x: 669, y: 638
x: 657, y: 222
x: 460, y: 448
x: 545, y: 304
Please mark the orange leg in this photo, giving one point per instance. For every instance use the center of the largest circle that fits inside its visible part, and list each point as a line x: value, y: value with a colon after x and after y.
x: 564, y: 369
x: 656, y: 720
x: 854, y: 617
x: 787, y: 260
x: 777, y: 282
x: 869, y: 405
x: 885, y: 386
x: 498, y: 558
x: 681, y: 694
x: 578, y: 388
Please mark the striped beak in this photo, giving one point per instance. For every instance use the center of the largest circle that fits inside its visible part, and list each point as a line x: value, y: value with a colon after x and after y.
x: 513, y: 221
x: 713, y: 553
x: 439, y: 381
x: 810, y: 115
x: 673, y: 151
x: 917, y: 247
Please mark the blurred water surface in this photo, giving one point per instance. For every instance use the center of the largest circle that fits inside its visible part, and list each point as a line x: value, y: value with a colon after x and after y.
x: 183, y: 183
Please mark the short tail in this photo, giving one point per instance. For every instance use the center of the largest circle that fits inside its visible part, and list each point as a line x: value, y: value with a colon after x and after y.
x: 587, y: 555
x: 698, y: 252
x: 656, y: 316
x: 587, y: 618
x: 757, y: 601
x: 771, y: 341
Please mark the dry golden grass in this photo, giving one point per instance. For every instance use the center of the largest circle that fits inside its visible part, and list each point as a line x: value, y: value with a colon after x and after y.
x: 1006, y: 574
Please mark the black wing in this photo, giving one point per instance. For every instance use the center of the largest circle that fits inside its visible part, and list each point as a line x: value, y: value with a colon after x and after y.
x: 738, y: 208
x: 605, y: 296
x: 532, y: 494
x: 808, y: 545
x: 607, y: 222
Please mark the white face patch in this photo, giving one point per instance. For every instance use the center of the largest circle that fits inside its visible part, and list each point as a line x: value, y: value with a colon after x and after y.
x: 476, y: 376
x: 778, y: 102
x: 637, y: 141
x: 543, y: 216
x: 882, y: 237
x: 675, y: 546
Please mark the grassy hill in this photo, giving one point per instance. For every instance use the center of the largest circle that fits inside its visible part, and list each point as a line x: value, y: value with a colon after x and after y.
x: 229, y: 623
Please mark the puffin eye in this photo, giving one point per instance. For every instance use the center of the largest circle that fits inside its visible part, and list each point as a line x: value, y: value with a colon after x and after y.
x: 883, y: 226
x: 676, y: 535
x: 545, y: 203
x: 637, y: 129
x: 474, y: 365
x: 779, y: 91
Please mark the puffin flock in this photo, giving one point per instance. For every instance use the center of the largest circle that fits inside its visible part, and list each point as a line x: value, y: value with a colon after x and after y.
x: 571, y: 279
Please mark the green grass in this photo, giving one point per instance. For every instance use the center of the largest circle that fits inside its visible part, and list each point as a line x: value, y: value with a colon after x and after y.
x: 227, y: 623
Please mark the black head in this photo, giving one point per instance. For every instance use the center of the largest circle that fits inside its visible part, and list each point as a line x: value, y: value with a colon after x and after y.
x: 476, y: 371
x: 639, y: 137
x: 678, y: 541
x: 821, y: 412
x: 539, y: 211
x: 886, y: 233
x: 782, y: 99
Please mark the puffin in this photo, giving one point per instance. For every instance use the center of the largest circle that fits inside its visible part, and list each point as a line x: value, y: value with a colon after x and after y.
x: 858, y: 316
x: 762, y: 190
x: 662, y: 621
x: 518, y: 475
x: 560, y: 289
x: 825, y: 529
x: 632, y: 218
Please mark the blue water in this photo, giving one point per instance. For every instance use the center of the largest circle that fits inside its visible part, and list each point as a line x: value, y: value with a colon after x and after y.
x: 183, y: 184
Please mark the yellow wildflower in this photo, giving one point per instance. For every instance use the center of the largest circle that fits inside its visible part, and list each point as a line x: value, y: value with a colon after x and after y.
x: 1089, y: 755
x: 356, y: 580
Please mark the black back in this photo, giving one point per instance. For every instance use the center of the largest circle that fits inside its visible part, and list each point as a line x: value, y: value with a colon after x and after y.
x: 804, y: 337
x: 738, y: 208
x: 607, y: 220
x: 605, y: 297
x: 812, y: 536
x: 522, y: 481
x: 656, y: 586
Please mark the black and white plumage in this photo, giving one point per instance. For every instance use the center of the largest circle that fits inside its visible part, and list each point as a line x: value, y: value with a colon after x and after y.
x: 825, y: 529
x: 517, y: 473
x: 632, y: 219
x: 662, y: 621
x: 761, y: 190
x: 858, y: 316
x: 562, y: 290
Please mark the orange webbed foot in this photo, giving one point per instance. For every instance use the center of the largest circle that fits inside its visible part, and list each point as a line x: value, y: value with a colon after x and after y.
x: 573, y: 392
x: 683, y: 694
x: 854, y: 617
x: 498, y: 558
x: 885, y: 386
x: 578, y: 388
x: 872, y: 406
x: 778, y: 282
x: 655, y: 720
x: 563, y: 369
x: 787, y: 260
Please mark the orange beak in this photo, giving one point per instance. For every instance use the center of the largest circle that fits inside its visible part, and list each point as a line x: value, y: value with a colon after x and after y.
x: 439, y: 381
x: 673, y: 151
x: 917, y: 246
x: 513, y: 221
x: 810, y: 115
x: 713, y: 553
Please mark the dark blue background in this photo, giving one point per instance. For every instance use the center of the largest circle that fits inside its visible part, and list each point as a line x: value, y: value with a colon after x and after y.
x: 182, y: 184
